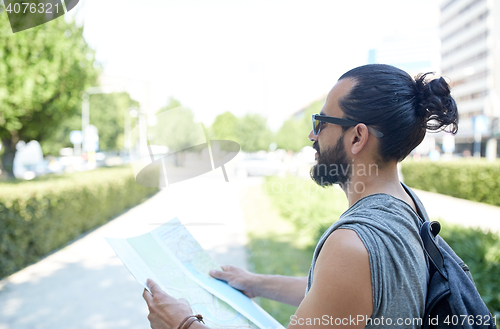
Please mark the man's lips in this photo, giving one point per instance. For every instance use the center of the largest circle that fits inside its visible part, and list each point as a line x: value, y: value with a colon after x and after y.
x: 315, y: 147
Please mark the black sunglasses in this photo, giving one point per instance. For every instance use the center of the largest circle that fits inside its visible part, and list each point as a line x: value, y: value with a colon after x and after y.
x: 317, y: 120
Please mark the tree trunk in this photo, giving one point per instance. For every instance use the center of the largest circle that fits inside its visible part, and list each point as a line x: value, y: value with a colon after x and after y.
x: 9, y: 146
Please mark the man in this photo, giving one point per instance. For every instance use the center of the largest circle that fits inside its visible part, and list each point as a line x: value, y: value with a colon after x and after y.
x: 369, y: 268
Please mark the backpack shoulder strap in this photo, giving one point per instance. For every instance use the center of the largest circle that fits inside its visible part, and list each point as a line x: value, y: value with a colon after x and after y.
x: 420, y: 207
x: 428, y: 233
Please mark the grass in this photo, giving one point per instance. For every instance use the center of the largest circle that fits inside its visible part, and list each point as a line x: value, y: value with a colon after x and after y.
x: 274, y: 247
x: 305, y: 205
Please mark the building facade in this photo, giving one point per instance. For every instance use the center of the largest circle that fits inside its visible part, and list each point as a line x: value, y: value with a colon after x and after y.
x: 470, y: 59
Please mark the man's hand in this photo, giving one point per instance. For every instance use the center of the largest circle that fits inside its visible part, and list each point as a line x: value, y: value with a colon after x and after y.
x: 165, y: 311
x: 284, y: 289
x: 237, y: 278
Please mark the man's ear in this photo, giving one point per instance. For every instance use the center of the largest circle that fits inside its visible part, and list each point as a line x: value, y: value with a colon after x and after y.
x: 359, y: 138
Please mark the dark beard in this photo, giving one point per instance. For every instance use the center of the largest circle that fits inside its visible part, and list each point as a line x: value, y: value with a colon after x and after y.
x: 333, y: 165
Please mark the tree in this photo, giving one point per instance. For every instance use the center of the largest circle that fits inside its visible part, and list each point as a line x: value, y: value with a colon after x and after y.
x: 253, y: 133
x: 175, y: 128
x: 172, y: 103
x: 225, y: 126
x: 107, y: 113
x: 43, y: 72
x: 313, y: 108
x: 292, y: 136
x: 293, y: 133
x: 59, y: 139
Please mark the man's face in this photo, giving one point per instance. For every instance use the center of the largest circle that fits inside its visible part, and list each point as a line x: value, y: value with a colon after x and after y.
x: 334, y: 164
x: 333, y: 167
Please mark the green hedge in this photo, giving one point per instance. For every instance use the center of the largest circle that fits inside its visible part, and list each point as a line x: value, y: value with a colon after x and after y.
x: 466, y: 179
x: 481, y: 252
x: 305, y: 204
x: 40, y: 216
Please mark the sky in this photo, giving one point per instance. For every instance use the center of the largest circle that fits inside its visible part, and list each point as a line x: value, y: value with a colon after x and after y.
x: 270, y: 57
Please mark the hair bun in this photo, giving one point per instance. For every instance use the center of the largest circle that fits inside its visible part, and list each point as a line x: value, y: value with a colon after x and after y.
x: 434, y: 103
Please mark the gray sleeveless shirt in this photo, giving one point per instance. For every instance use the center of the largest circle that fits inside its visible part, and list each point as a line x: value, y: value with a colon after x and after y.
x: 389, y: 229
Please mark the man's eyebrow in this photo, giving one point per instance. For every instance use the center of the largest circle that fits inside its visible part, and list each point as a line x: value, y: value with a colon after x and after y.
x: 321, y: 113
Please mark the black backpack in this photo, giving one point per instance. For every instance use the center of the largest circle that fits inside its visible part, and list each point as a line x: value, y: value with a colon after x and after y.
x: 452, y: 298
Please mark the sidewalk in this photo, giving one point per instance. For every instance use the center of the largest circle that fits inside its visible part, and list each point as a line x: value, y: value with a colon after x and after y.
x: 460, y: 211
x: 84, y: 285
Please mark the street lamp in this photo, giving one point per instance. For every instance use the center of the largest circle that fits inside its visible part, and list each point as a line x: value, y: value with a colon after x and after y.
x: 86, y: 110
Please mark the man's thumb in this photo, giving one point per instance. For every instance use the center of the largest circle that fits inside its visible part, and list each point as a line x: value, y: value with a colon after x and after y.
x: 218, y: 274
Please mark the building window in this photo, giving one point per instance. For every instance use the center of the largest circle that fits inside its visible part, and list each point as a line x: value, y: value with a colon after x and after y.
x: 466, y: 26
x: 461, y: 11
x: 470, y: 78
x: 469, y: 115
x: 476, y: 95
x: 448, y: 4
x: 465, y: 62
x: 480, y: 37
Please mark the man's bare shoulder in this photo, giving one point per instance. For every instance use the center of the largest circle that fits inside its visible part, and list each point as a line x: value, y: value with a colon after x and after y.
x: 343, y: 256
x: 342, y: 282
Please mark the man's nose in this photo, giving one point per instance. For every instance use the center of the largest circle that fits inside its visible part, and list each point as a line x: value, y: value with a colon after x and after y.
x: 312, y: 136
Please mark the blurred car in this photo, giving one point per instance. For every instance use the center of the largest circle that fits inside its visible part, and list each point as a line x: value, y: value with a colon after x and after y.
x: 307, y: 155
x: 44, y: 167
x: 260, y: 166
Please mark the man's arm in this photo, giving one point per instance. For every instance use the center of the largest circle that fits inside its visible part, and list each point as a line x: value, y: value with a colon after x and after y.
x: 341, y: 289
x: 284, y: 289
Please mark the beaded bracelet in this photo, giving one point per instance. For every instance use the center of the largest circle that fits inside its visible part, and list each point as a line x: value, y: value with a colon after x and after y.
x: 185, y: 324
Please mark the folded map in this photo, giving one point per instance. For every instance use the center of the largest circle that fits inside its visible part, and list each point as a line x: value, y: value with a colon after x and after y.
x: 173, y: 258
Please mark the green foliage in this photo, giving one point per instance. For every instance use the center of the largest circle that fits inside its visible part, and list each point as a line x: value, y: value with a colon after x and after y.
x: 253, y: 133
x: 172, y: 103
x: 278, y: 255
x: 176, y: 128
x: 305, y: 204
x: 314, y: 108
x: 40, y: 216
x: 293, y: 134
x: 466, y: 179
x: 60, y: 137
x: 225, y: 126
x: 43, y: 72
x: 274, y: 246
x: 107, y: 113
